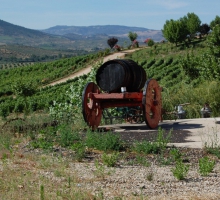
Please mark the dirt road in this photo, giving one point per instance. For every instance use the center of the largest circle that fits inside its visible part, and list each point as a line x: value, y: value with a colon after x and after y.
x: 87, y: 69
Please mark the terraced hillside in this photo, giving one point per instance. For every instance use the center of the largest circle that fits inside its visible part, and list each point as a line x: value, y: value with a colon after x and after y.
x: 181, y: 71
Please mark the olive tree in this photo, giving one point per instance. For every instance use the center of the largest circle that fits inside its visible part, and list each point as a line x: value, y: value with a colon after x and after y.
x: 150, y: 43
x: 132, y: 36
x: 214, y: 40
x: 174, y: 31
x: 192, y: 24
x: 215, y: 22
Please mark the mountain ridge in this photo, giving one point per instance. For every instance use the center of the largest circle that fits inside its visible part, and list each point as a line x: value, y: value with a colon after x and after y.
x: 72, y: 37
x: 110, y: 30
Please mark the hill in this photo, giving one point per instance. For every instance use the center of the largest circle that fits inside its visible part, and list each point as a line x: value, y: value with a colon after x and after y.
x: 181, y: 70
x: 109, y: 30
x: 13, y: 34
x: 89, y: 38
x: 22, y: 45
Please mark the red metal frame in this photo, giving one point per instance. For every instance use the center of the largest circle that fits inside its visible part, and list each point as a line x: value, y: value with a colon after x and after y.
x: 149, y: 99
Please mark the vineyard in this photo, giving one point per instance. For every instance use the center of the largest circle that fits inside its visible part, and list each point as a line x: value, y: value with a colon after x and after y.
x: 186, y: 73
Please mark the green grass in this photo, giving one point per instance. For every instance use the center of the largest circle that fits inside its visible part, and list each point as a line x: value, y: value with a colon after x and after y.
x: 206, y: 166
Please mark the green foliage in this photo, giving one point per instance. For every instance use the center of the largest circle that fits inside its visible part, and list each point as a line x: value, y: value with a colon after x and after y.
x: 206, y: 166
x: 181, y: 74
x: 100, y: 170
x: 213, y: 41
x: 215, y: 22
x: 5, y: 140
x: 103, y: 141
x: 66, y: 136
x: 155, y: 147
x: 110, y: 160
x: 180, y: 171
x: 24, y: 88
x: 69, y: 111
x: 132, y: 36
x: 192, y: 22
x: 42, y: 193
x: 214, y: 151
x: 174, y: 31
x: 150, y: 43
x: 80, y: 150
x: 146, y: 147
x: 142, y: 161
x: 176, y: 154
x: 190, y: 66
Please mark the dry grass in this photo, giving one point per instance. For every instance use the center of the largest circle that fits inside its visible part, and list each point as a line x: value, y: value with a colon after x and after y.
x: 28, y: 176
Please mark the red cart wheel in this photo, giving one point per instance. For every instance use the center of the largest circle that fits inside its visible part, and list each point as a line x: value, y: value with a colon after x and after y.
x: 92, y: 112
x: 152, y: 103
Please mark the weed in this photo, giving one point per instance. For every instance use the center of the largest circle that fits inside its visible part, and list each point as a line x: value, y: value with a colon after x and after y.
x: 69, y: 182
x: 163, y: 140
x: 206, y: 166
x: 214, y: 151
x: 57, y: 173
x: 45, y: 162
x: 163, y: 160
x: 110, y: 160
x: 150, y: 176
x: 42, y: 143
x: 176, y: 154
x: 212, y: 140
x: 180, y: 171
x: 100, y: 170
x: 142, y: 160
x: 80, y: 150
x: 67, y: 135
x: 42, y: 197
x: 146, y: 147
x: 5, y: 142
x: 103, y: 141
x: 80, y: 154
x: 153, y: 147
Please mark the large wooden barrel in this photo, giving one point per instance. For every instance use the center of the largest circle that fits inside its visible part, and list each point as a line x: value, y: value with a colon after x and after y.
x: 117, y: 73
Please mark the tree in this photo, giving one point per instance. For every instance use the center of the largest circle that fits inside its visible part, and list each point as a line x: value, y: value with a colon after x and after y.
x: 174, y: 31
x: 132, y: 36
x: 192, y: 23
x: 112, y: 42
x: 214, y: 40
x: 149, y: 42
x: 204, y: 29
x: 214, y: 22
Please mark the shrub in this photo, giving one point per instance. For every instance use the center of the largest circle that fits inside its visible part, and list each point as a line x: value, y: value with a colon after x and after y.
x: 155, y: 147
x: 110, y: 160
x: 206, y: 166
x: 150, y: 43
x: 180, y: 171
x: 103, y: 141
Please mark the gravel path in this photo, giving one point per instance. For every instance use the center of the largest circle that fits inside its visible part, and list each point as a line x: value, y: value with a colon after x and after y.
x: 152, y: 183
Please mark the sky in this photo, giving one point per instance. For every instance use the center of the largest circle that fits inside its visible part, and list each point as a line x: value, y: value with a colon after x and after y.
x: 151, y: 14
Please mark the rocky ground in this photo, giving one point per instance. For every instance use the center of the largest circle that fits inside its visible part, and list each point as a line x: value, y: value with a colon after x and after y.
x: 148, y: 182
x: 149, y: 178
